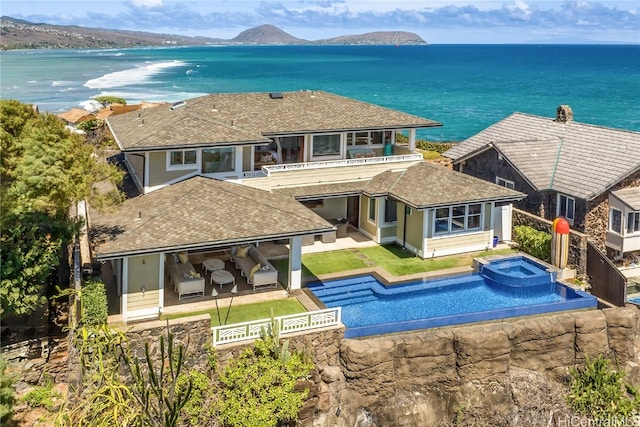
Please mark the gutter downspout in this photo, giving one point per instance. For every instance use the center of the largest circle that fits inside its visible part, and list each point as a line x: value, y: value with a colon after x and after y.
x: 404, y: 229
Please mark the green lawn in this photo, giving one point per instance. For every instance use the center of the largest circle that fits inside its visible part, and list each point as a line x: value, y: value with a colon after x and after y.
x: 392, y: 258
x: 244, y: 313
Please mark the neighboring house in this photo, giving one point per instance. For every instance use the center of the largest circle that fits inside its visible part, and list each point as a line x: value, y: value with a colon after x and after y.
x: 75, y: 116
x: 226, y: 169
x: 566, y: 168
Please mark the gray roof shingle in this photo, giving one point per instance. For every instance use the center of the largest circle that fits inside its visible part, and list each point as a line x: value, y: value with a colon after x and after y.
x: 199, y: 212
x: 427, y: 185
x: 250, y: 117
x: 578, y: 159
x: 629, y: 196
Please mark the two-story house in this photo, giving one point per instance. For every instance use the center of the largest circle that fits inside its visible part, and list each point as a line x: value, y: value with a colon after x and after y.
x: 224, y: 170
x: 588, y: 174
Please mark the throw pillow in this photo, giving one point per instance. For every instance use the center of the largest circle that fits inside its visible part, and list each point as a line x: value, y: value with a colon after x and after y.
x: 242, y: 251
x: 254, y: 270
x: 266, y: 158
x: 183, y: 257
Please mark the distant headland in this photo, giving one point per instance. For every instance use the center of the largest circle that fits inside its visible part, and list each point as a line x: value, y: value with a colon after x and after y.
x: 19, y: 34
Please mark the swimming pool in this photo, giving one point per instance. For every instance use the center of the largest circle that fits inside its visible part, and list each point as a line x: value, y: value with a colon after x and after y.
x: 507, y: 287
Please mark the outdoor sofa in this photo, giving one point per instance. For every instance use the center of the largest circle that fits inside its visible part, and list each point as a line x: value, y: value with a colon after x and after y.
x: 186, y: 281
x: 254, y: 266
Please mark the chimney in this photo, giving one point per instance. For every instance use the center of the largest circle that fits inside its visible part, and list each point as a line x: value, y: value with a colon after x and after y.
x: 564, y: 114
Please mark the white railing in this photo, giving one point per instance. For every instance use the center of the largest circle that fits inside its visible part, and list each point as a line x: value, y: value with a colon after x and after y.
x: 288, y: 324
x: 266, y: 170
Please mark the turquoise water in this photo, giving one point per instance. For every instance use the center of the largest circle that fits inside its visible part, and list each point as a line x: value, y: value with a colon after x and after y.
x: 371, y: 308
x: 465, y: 87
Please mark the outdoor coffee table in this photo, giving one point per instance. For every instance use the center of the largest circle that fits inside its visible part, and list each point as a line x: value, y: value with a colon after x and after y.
x: 213, y: 264
x: 222, y: 277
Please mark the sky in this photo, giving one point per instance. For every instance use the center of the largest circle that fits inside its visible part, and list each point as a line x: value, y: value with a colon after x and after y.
x: 437, y: 22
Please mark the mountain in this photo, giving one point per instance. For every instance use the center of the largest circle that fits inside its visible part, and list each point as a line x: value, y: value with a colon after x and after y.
x: 377, y: 37
x: 19, y: 34
x: 266, y: 34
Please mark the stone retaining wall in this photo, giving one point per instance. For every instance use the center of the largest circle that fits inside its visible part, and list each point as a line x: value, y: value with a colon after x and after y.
x: 509, y: 373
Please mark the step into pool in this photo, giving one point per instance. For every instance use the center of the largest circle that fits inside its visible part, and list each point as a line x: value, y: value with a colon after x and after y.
x: 503, y: 288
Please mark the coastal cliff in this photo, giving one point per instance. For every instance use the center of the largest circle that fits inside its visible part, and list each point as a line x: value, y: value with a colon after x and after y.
x: 19, y: 34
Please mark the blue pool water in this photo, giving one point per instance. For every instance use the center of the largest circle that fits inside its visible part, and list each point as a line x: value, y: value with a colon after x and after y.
x: 509, y: 287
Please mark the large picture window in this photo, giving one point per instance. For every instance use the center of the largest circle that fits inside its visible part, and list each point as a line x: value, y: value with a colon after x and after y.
x: 326, y: 145
x: 456, y: 219
x: 377, y: 137
x: 218, y: 159
x: 182, y: 159
x: 566, y: 207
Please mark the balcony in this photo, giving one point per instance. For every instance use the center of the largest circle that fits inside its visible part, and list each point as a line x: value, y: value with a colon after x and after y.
x: 267, y: 170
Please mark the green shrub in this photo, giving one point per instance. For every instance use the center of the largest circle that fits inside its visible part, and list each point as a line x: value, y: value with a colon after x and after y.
x: 601, y: 392
x: 42, y: 396
x: 7, y: 394
x: 93, y: 299
x: 196, y: 411
x: 258, y: 389
x: 533, y: 242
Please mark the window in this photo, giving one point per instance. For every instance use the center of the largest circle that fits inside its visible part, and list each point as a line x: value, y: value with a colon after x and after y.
x: 615, y: 221
x: 505, y: 183
x: 566, y: 207
x: 326, y: 145
x: 372, y: 209
x: 459, y: 218
x: 390, y: 211
x: 370, y: 138
x: 182, y: 159
x: 633, y: 222
x: 474, y: 214
x: 218, y: 160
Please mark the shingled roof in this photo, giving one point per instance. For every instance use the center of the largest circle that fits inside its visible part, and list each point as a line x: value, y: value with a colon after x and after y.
x: 629, y: 196
x: 250, y: 117
x: 577, y: 159
x: 199, y: 213
x: 428, y: 185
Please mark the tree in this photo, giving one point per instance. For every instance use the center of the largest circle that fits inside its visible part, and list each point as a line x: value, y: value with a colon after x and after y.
x: 44, y: 169
x: 106, y: 100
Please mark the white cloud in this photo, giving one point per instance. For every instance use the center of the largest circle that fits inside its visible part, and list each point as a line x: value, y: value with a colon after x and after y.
x: 147, y: 3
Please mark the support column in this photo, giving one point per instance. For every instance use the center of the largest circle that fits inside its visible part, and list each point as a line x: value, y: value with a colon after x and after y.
x: 295, y: 263
x: 125, y: 288
x: 412, y: 140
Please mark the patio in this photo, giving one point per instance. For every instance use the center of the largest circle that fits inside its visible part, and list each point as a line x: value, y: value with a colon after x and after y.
x: 246, y: 295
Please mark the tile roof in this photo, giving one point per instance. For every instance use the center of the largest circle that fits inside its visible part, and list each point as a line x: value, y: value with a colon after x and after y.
x: 76, y: 115
x: 427, y: 185
x: 196, y: 213
x: 574, y: 158
x: 630, y: 196
x: 219, y: 118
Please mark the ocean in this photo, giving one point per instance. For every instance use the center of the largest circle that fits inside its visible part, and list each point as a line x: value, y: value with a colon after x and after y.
x: 464, y: 87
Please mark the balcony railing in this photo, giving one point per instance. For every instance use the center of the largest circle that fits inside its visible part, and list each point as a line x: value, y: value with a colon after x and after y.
x: 266, y: 170
x: 287, y: 324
